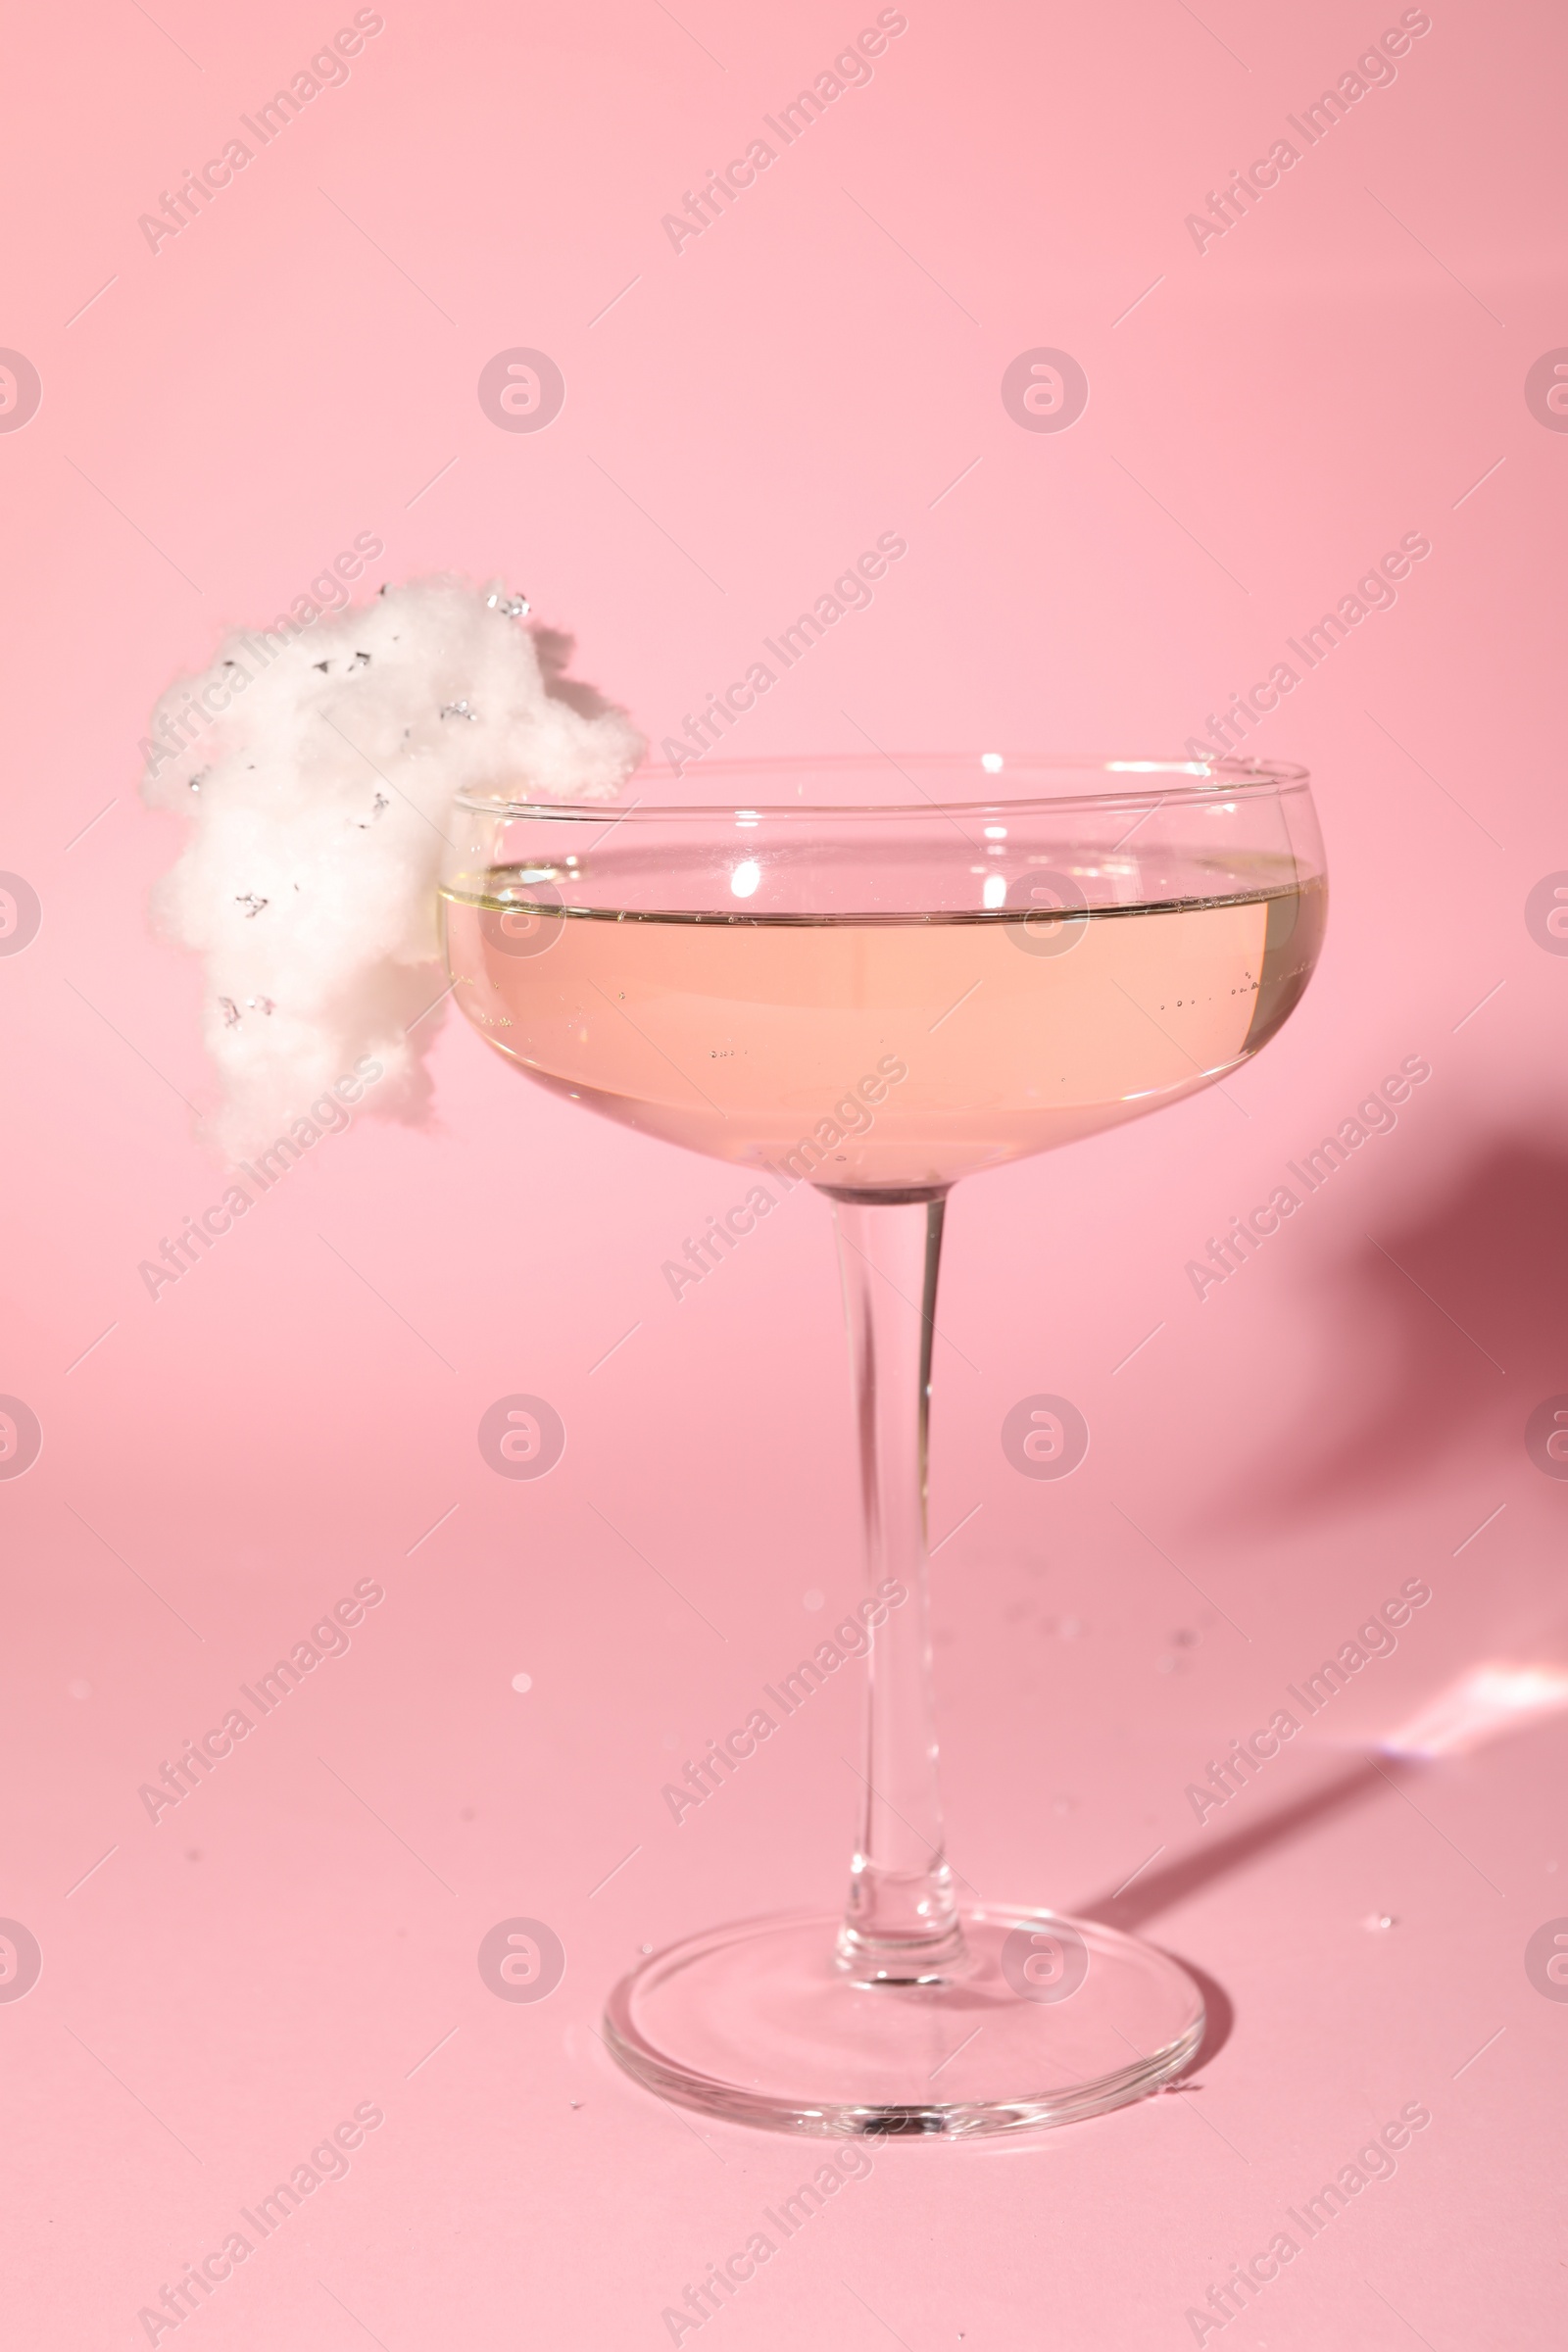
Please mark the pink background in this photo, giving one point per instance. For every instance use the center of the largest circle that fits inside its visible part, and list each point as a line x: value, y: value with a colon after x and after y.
x: 1343, y: 367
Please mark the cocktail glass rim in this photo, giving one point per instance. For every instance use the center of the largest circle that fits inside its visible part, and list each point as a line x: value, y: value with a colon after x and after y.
x: 1207, y: 780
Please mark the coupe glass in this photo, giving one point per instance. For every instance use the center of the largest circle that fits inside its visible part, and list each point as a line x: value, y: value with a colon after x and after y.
x: 877, y: 976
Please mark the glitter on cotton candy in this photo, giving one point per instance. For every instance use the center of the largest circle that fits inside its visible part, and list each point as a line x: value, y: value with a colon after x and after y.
x: 318, y: 804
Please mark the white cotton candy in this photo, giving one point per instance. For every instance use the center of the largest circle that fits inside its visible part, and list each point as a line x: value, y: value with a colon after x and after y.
x: 319, y: 804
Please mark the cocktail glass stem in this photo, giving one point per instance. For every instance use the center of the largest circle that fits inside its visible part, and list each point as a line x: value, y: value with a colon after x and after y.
x: 900, y: 1926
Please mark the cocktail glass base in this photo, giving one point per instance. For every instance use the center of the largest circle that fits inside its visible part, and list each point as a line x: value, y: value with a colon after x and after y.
x: 1044, y: 2021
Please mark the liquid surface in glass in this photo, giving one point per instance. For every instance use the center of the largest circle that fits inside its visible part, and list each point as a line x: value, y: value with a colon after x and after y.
x: 885, y: 1052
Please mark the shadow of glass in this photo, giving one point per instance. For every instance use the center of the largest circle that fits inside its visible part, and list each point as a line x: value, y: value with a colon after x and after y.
x: 1190, y: 1873
x: 1449, y: 1326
